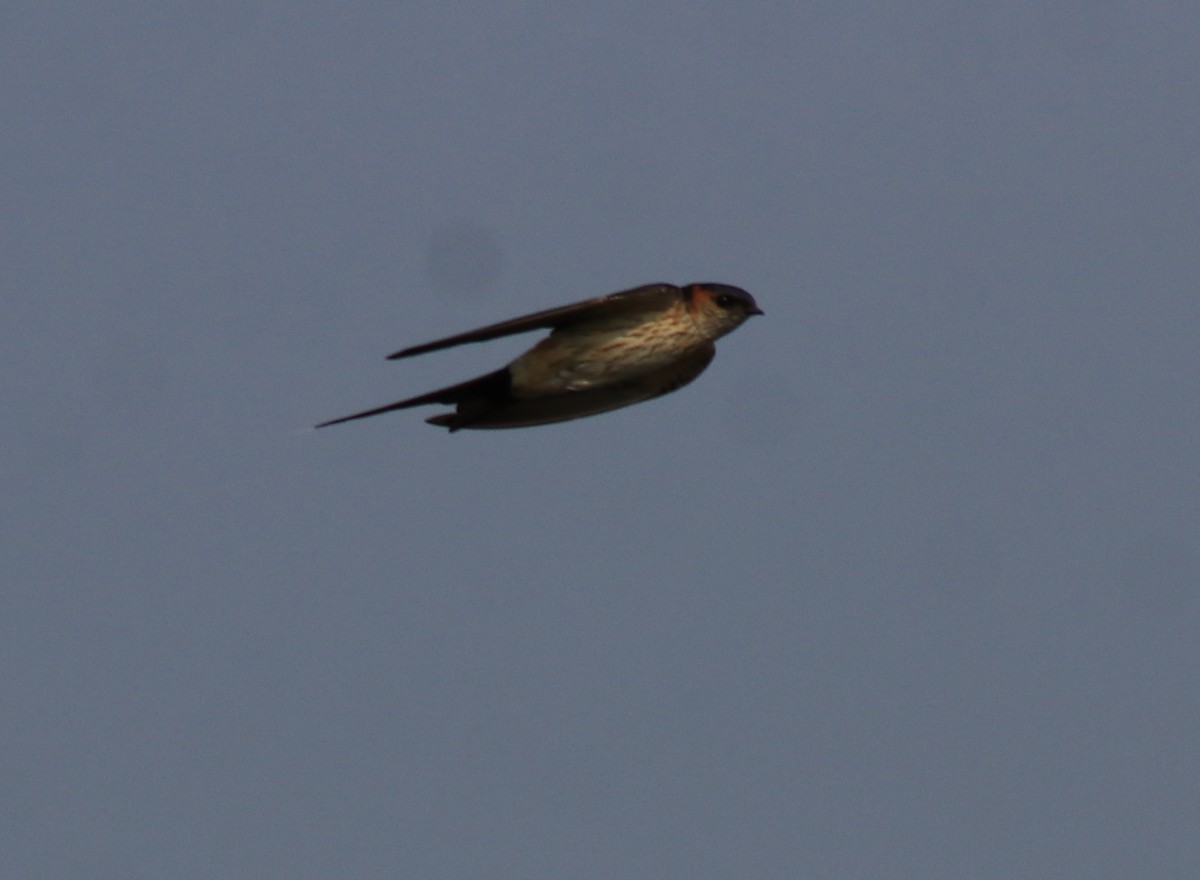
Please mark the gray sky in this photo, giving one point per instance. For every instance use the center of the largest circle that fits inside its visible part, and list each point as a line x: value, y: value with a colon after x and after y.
x: 907, y: 585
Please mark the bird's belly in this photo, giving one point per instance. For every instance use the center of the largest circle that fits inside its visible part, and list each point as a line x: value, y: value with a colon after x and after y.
x: 567, y: 362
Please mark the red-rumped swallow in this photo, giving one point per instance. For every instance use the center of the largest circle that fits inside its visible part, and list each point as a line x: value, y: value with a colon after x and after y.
x: 601, y: 354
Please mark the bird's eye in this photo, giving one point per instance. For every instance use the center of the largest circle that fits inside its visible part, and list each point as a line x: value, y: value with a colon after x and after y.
x: 726, y: 300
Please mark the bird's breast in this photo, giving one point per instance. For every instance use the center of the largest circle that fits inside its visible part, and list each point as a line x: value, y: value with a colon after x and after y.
x: 594, y: 356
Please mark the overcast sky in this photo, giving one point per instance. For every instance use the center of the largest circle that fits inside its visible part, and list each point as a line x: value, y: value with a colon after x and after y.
x: 907, y: 585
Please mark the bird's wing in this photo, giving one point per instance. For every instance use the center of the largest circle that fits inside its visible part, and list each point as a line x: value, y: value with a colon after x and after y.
x: 649, y: 298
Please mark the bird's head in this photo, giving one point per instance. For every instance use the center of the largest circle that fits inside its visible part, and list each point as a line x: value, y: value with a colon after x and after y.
x: 719, y: 308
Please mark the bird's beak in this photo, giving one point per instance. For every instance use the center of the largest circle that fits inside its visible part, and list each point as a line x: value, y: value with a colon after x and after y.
x: 755, y: 311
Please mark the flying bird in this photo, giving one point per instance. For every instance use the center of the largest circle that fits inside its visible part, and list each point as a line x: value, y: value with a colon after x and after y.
x: 601, y: 354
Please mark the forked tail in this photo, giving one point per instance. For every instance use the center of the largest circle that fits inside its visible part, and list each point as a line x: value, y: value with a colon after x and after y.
x: 468, y: 396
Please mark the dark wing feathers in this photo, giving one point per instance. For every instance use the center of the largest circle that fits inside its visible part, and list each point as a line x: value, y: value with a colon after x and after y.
x: 648, y: 298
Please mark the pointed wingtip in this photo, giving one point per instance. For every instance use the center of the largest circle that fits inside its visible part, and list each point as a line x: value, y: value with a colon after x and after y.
x: 421, y: 349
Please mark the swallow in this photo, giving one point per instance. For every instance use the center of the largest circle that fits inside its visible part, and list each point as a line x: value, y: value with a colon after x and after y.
x: 601, y: 354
